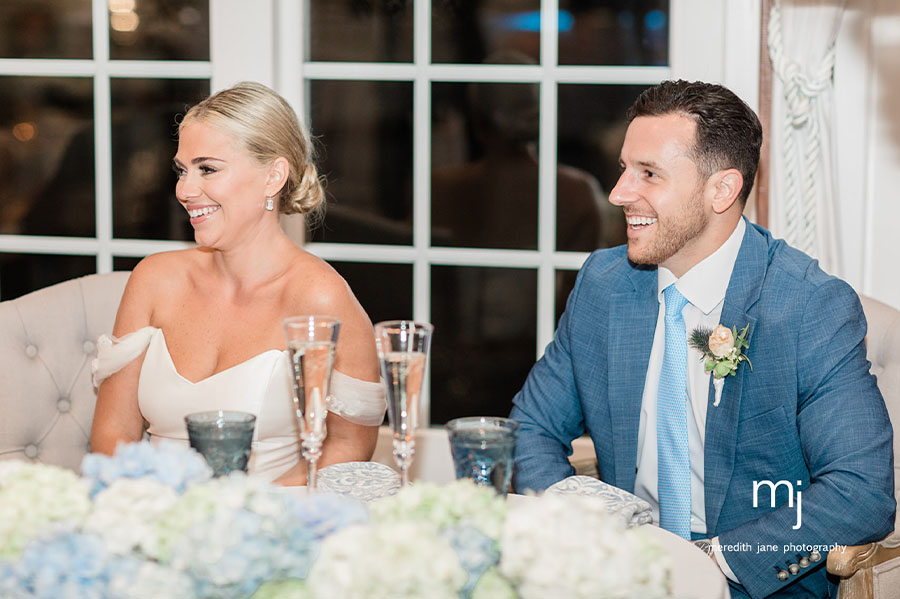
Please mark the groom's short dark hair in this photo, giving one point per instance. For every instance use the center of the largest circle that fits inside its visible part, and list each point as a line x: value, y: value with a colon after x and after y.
x: 729, y: 134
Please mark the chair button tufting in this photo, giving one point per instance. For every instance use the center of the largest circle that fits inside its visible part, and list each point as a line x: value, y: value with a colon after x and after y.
x: 89, y: 347
x: 64, y: 405
x: 31, y: 350
x: 31, y: 451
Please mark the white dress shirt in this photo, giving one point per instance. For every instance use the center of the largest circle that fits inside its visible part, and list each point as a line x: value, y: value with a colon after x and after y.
x: 704, y: 287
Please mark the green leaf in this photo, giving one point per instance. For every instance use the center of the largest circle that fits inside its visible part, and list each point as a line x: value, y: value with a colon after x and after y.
x: 709, y: 364
x: 722, y: 369
x: 740, y: 339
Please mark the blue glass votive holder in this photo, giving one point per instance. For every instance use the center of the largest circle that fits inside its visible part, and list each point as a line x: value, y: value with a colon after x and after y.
x: 482, y: 448
x: 223, y: 437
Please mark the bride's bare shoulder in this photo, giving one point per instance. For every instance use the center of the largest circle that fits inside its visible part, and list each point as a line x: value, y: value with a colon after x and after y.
x: 165, y: 271
x: 314, y: 283
x: 153, y: 284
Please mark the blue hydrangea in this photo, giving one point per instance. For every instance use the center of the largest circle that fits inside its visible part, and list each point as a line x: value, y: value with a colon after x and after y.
x: 78, y: 566
x: 169, y: 463
x: 9, y: 582
x: 230, y: 557
x: 67, y: 566
x: 324, y: 513
x: 252, y: 533
x: 477, y: 552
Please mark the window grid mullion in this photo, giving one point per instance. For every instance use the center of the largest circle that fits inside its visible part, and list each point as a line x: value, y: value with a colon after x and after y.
x: 547, y: 174
x: 289, y: 55
x: 512, y: 73
x: 102, y: 138
x: 422, y: 180
x: 422, y: 159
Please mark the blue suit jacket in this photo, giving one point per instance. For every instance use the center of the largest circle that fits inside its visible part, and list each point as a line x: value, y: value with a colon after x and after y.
x: 809, y: 412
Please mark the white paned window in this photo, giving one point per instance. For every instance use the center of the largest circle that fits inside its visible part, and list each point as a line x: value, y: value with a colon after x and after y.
x: 89, y: 96
x: 469, y: 148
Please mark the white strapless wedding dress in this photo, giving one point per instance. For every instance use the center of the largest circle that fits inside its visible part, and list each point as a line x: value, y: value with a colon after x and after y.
x: 260, y: 385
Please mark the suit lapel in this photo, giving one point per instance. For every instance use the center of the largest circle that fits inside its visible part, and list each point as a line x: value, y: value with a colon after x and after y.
x: 632, y: 324
x: 722, y: 420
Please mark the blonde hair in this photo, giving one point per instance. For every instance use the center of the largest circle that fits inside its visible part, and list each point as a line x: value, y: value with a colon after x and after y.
x: 267, y: 128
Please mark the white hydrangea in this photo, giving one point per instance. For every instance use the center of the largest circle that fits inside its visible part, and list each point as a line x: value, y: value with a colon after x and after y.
x: 35, y: 500
x: 125, y: 512
x: 215, y: 501
x: 149, y: 580
x: 8, y: 467
x: 570, y: 547
x: 387, y: 561
x: 460, y: 501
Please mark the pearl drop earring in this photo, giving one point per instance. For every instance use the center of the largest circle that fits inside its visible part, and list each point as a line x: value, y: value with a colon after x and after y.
x: 270, y: 204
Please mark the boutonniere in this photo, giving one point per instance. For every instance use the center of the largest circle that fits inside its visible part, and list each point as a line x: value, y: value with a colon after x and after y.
x: 721, y: 351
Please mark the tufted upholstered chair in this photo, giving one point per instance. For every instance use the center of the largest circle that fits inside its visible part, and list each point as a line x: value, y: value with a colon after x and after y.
x: 873, y: 570
x: 47, y: 342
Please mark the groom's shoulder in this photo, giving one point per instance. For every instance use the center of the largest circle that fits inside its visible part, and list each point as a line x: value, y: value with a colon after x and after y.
x: 610, y: 268
x: 790, y: 269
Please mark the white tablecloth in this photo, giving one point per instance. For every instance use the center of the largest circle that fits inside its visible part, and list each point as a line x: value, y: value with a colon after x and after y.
x: 694, y: 575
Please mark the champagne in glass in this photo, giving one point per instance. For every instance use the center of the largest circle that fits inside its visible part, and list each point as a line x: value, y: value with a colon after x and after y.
x: 403, y: 347
x: 311, y: 342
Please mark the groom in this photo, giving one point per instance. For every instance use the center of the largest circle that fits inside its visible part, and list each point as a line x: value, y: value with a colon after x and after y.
x: 788, y: 458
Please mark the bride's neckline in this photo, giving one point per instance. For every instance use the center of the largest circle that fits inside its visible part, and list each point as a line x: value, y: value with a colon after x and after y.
x: 165, y: 347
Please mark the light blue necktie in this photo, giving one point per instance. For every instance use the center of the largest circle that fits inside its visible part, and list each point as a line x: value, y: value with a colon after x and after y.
x: 674, y: 474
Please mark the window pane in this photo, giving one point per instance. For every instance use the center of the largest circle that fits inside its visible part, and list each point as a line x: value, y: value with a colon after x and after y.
x: 484, y: 339
x: 484, y: 183
x: 144, y: 140
x: 614, y: 32
x: 45, y: 29
x: 591, y: 127
x: 384, y: 290
x: 24, y: 273
x: 159, y: 30
x: 46, y: 156
x: 125, y: 263
x: 361, y: 30
x: 491, y: 31
x: 365, y: 128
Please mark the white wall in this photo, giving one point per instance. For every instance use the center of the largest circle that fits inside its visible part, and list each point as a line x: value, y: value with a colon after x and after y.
x: 880, y: 194
x: 867, y: 98
x: 867, y: 86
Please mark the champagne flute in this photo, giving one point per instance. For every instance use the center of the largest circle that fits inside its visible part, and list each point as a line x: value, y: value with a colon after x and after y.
x: 403, y: 347
x: 311, y: 342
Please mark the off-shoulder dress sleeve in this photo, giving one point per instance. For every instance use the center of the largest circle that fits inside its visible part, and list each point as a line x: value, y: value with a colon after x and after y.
x: 113, y: 354
x: 360, y: 402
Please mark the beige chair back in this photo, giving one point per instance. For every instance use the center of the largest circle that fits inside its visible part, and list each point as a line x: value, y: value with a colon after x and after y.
x: 47, y: 341
x: 883, y: 351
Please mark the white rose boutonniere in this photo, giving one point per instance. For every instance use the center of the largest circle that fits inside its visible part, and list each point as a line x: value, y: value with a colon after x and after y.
x: 721, y: 352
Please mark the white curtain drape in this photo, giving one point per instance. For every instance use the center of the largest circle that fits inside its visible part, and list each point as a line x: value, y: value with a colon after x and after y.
x: 803, y: 203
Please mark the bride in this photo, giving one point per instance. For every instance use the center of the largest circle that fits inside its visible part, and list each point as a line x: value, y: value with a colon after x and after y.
x: 200, y: 329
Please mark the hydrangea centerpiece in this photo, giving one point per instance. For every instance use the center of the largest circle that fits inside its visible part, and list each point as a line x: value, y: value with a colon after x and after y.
x: 151, y: 522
